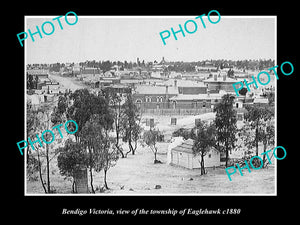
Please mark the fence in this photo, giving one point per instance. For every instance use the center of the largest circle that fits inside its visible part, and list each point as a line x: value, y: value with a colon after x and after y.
x: 173, y: 112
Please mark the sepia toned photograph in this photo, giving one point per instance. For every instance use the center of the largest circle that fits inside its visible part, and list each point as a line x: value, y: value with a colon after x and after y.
x: 150, y: 105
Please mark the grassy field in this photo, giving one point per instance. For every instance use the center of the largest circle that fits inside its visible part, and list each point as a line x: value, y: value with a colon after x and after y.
x: 137, y: 174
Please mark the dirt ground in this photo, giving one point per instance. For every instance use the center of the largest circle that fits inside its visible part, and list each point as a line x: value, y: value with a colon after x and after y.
x: 138, y: 175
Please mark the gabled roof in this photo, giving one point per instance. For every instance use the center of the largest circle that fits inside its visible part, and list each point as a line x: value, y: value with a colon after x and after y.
x: 186, y: 146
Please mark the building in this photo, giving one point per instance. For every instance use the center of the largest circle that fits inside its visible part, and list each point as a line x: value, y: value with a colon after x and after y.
x: 76, y: 69
x: 154, y: 97
x: 40, y: 73
x: 182, y: 155
x: 90, y: 70
x: 158, y: 70
x: 220, y: 82
x: 187, y: 87
x: 260, y: 101
x: 203, y: 101
x: 121, y: 90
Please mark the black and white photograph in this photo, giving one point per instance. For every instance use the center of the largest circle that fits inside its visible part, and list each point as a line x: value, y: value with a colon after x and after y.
x: 151, y: 119
x: 173, y: 114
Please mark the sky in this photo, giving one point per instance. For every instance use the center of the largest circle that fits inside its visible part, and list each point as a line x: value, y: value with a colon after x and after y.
x: 129, y: 37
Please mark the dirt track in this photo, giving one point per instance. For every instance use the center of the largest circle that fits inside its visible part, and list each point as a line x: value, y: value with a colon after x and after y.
x: 67, y: 82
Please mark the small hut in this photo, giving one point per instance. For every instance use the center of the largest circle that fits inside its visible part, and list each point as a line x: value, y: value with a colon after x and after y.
x: 182, y: 155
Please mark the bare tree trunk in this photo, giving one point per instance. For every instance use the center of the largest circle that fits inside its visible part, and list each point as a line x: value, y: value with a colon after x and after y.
x: 118, y: 147
x: 40, y: 171
x: 202, y: 168
x: 117, y: 127
x: 91, y: 180
x: 120, y: 151
x: 130, y: 148
x: 135, y: 147
x: 105, y: 183
x: 264, y: 157
x: 256, y: 138
x: 226, y: 149
x: 155, y: 153
x: 74, y: 186
x: 48, y: 169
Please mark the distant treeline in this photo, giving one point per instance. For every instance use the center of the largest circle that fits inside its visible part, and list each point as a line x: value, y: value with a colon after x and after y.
x: 178, y: 66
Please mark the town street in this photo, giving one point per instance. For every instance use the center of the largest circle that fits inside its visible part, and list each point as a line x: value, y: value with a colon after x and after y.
x: 66, y: 82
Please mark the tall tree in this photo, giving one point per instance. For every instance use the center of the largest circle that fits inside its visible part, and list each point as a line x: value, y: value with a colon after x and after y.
x: 151, y: 138
x: 40, y: 121
x: 29, y: 81
x: 106, y: 66
x: 225, y: 123
x: 32, y: 164
x: 71, y: 158
x: 81, y: 109
x: 204, y: 141
x: 110, y: 156
x: 93, y: 115
x: 130, y: 123
x: 268, y: 138
x: 102, y: 154
x: 115, y: 102
x: 259, y: 127
x: 91, y: 139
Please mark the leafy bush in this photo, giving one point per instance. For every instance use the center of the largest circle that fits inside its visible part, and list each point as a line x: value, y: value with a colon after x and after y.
x: 182, y: 132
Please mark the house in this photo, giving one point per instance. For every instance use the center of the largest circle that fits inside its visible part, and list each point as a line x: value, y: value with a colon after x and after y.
x: 182, y: 155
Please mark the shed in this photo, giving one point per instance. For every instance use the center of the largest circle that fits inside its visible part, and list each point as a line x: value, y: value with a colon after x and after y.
x: 182, y: 155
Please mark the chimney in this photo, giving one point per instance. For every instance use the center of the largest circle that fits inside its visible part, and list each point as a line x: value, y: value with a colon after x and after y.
x: 167, y: 89
x: 175, y: 83
x: 207, y: 92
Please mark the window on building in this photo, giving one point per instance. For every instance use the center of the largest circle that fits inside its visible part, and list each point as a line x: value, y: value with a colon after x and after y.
x: 209, y: 155
x: 194, y: 104
x: 174, y: 104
